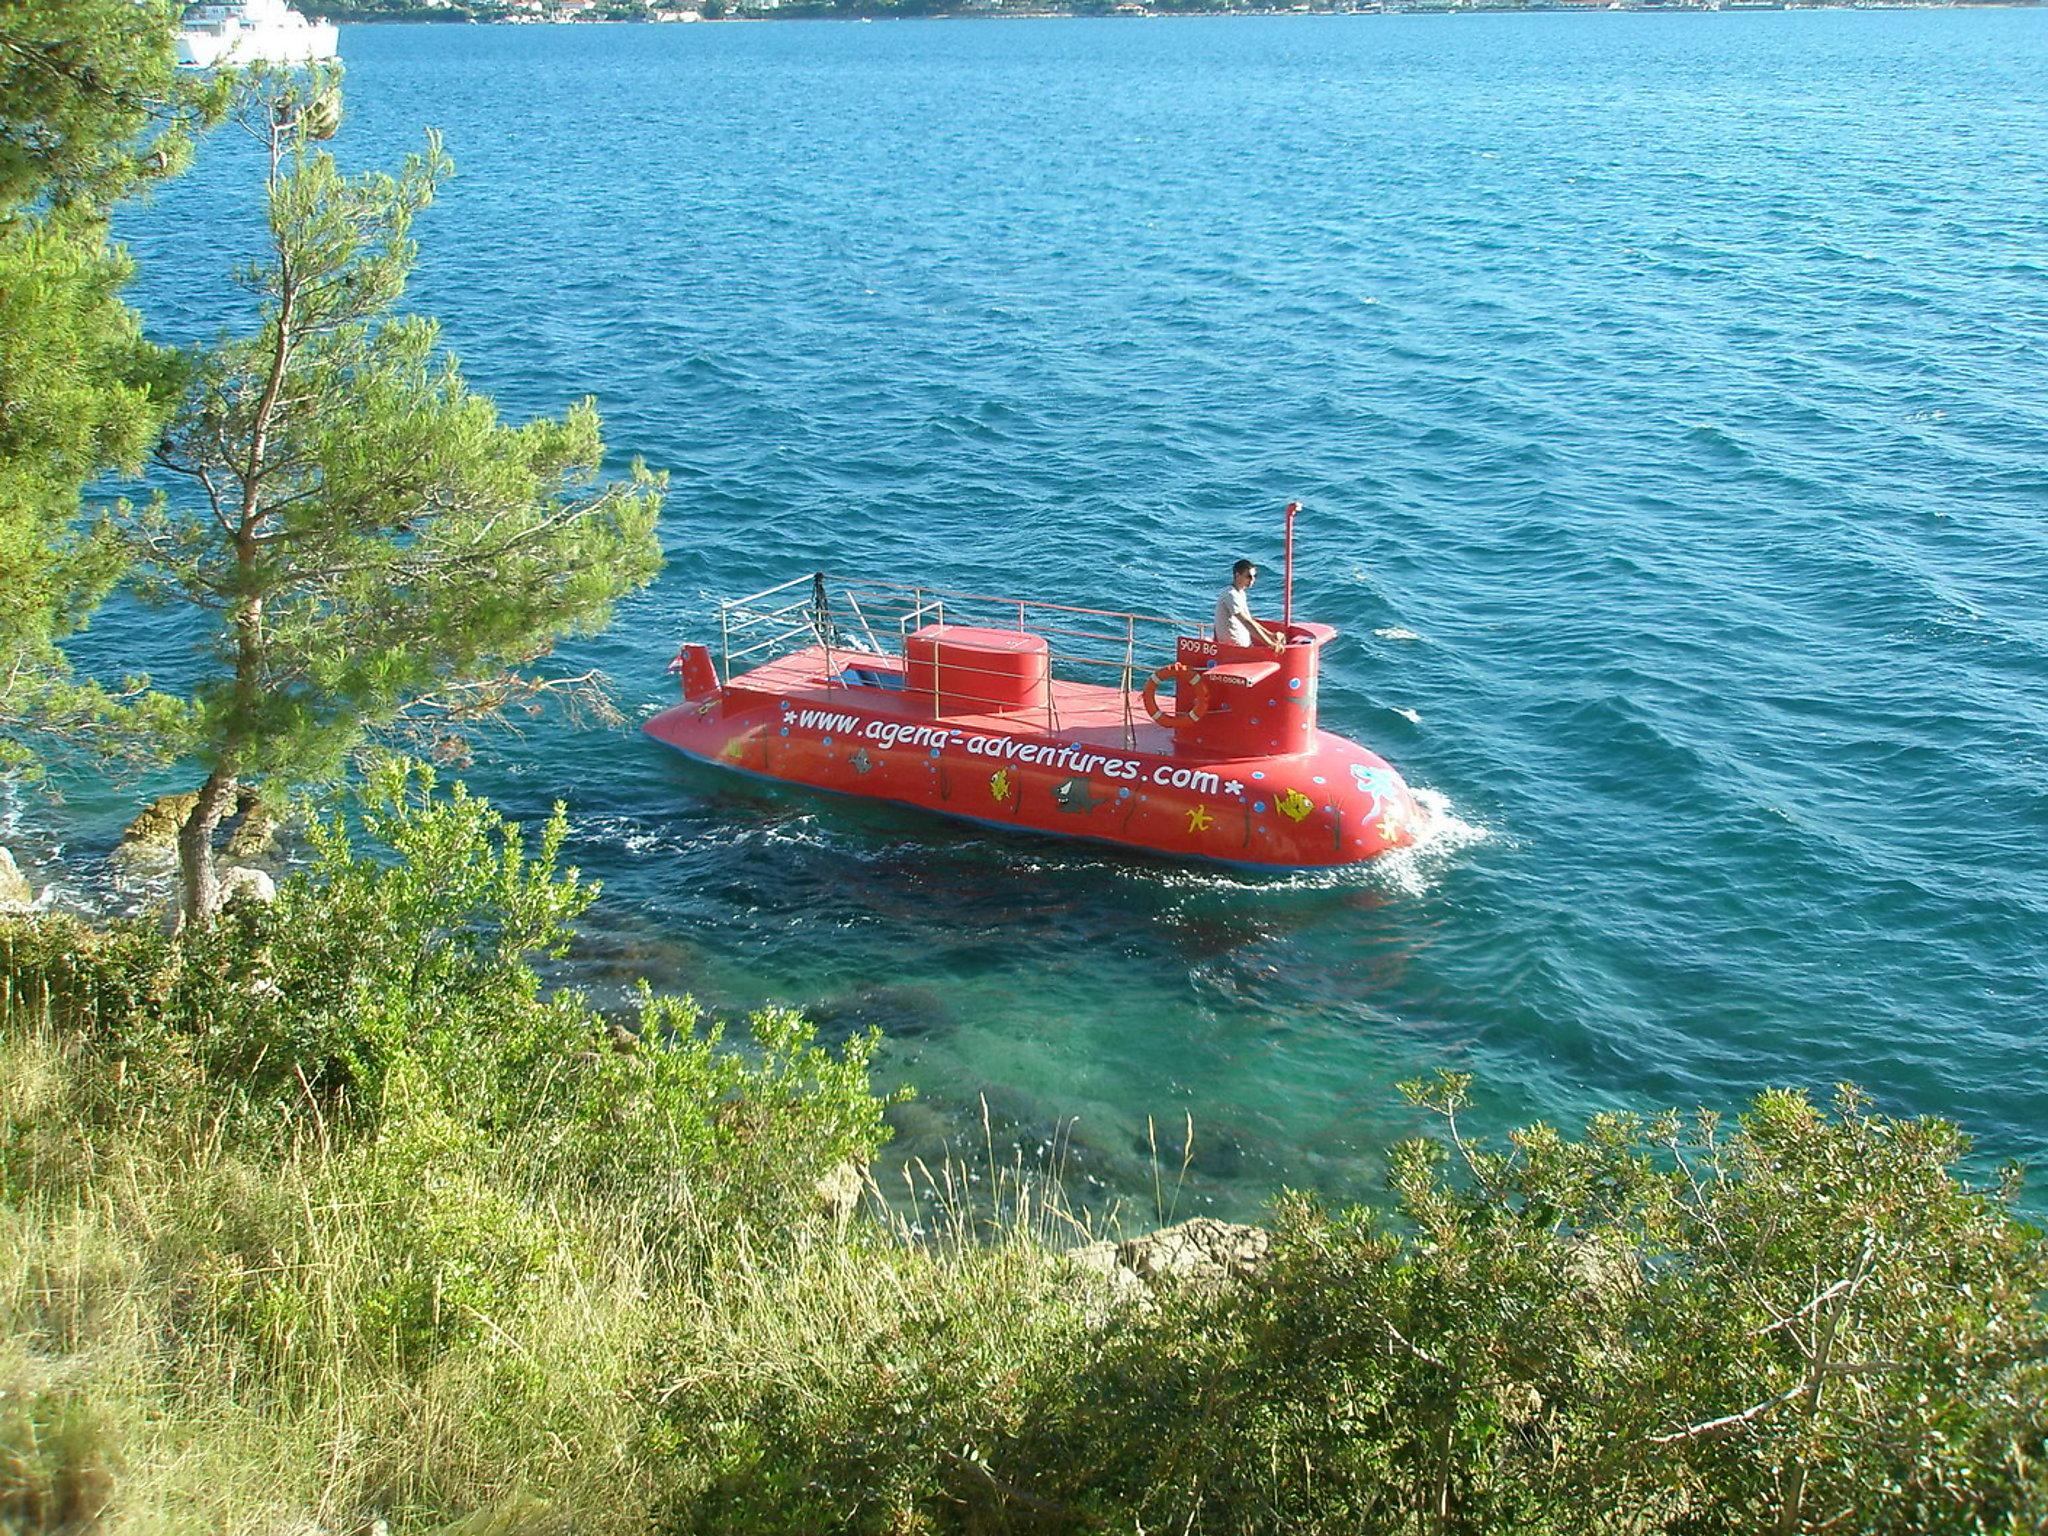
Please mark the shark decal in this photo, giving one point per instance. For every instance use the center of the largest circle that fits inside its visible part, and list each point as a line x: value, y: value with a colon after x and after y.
x: 1073, y: 797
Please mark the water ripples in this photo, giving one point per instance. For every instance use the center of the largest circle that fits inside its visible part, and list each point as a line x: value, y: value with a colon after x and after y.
x: 1664, y: 392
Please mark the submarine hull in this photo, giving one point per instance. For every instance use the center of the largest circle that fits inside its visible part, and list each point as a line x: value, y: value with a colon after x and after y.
x: 1081, y: 761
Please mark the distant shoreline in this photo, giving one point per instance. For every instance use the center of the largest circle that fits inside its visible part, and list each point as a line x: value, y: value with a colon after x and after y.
x: 595, y: 12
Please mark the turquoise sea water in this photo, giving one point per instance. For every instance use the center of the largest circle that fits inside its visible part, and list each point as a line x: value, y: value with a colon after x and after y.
x: 1667, y: 394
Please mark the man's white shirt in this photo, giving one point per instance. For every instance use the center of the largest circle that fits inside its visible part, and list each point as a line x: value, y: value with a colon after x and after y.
x: 1233, y: 617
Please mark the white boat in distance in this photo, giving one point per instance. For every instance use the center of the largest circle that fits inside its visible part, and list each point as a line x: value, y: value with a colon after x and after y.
x: 253, y: 32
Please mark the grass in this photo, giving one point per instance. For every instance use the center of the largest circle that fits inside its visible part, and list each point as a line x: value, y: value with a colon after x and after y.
x: 190, y: 1335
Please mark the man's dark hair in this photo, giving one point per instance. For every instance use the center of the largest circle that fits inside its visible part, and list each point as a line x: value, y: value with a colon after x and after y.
x: 1244, y: 568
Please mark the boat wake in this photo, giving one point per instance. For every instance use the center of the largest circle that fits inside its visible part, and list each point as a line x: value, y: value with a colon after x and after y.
x: 1415, y: 869
x: 1412, y: 871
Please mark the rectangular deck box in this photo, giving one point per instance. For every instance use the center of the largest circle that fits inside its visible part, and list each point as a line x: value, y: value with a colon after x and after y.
x: 977, y: 671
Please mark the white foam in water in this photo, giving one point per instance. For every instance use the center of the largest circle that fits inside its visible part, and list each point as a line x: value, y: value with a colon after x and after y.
x: 1414, y: 869
x: 1411, y: 716
x: 631, y: 833
x: 1411, y: 870
x: 1396, y: 632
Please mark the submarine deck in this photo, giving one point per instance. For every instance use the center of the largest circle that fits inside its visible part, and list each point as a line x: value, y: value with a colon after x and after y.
x: 1086, y: 713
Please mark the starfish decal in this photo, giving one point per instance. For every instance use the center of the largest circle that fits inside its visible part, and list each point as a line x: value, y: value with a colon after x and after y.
x: 1199, y: 819
x: 1234, y: 787
x: 788, y: 715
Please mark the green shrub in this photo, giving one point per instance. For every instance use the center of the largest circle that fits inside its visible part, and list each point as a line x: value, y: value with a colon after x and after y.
x: 418, y: 949
x: 394, y: 978
x: 684, y: 1119
x: 1806, y: 1323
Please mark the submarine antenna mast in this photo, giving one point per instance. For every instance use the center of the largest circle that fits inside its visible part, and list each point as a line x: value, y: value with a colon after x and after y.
x: 1287, y: 580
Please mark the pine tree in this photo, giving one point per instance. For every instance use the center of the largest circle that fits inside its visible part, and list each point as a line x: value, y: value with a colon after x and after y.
x: 368, y: 544
x: 92, y: 110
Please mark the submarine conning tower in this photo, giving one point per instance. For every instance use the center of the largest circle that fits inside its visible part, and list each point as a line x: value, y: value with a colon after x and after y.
x: 1248, y: 700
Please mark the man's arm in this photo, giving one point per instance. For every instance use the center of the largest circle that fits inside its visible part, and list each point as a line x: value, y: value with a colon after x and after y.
x: 1266, y: 634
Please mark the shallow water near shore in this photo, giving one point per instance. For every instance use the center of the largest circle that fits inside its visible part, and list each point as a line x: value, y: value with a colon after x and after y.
x: 1666, y: 396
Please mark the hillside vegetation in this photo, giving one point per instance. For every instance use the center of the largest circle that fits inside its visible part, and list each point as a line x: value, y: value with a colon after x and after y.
x: 334, y: 1217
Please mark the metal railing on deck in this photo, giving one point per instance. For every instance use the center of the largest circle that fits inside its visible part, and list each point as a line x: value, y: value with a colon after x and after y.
x: 854, y: 617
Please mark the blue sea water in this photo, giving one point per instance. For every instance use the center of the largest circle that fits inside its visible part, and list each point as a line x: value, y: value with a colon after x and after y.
x: 1667, y: 397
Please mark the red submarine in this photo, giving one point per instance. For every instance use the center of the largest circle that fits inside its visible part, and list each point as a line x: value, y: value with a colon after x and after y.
x: 1041, y: 717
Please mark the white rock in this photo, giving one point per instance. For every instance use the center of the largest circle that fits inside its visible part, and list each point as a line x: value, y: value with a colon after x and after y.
x: 15, y: 891
x: 241, y: 883
x: 1100, y: 1259
x: 839, y: 1192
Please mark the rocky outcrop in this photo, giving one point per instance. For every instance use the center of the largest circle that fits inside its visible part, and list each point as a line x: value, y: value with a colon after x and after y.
x: 15, y: 891
x: 1099, y: 1260
x: 1204, y: 1253
x: 252, y: 828
x: 154, y: 834
x: 254, y: 833
x: 1203, y: 1249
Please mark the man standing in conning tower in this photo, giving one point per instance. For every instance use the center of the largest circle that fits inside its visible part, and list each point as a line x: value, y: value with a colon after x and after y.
x: 1234, y: 622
